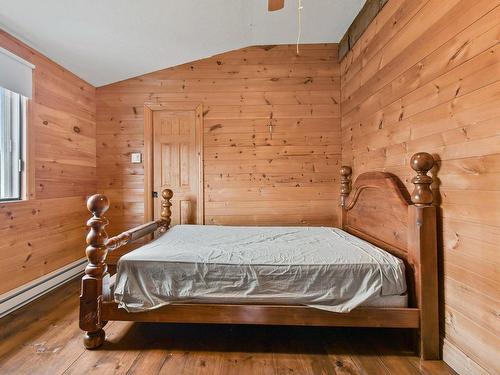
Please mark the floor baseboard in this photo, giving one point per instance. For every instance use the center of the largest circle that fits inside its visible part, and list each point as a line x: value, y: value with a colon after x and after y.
x: 26, y: 293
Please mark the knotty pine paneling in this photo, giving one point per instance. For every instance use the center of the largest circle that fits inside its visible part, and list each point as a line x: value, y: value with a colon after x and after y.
x: 425, y: 76
x: 250, y: 178
x: 47, y: 231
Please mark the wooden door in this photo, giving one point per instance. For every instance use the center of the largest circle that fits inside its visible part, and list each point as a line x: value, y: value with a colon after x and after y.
x: 178, y: 164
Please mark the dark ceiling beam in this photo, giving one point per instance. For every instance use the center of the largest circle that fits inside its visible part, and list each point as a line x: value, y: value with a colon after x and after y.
x: 359, y: 25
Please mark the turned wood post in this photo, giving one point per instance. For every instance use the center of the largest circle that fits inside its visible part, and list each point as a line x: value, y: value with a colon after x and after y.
x: 345, y: 184
x: 422, y: 163
x: 422, y: 248
x: 96, y: 279
x: 166, y: 212
x: 345, y: 190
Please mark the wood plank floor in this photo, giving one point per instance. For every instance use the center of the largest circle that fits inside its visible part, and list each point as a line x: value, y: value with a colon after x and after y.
x: 43, y: 338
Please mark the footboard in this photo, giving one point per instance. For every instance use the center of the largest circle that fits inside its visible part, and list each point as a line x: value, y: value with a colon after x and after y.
x: 96, y: 282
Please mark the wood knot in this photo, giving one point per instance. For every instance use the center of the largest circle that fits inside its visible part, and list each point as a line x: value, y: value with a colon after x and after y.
x: 76, y: 129
x: 215, y: 127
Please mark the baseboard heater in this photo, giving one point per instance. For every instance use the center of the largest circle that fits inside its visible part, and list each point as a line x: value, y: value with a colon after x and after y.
x: 26, y: 293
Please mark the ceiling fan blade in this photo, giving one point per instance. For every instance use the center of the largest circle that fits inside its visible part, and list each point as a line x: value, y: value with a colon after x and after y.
x: 273, y: 5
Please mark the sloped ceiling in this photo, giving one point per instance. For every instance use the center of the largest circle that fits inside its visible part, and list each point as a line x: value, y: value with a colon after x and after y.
x: 104, y: 41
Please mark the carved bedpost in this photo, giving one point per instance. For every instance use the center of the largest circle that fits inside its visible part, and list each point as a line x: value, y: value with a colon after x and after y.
x: 422, y: 250
x: 345, y: 190
x: 96, y: 279
x: 345, y: 183
x: 166, y: 213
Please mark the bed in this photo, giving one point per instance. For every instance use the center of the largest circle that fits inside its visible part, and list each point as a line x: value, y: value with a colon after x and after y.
x: 379, y: 269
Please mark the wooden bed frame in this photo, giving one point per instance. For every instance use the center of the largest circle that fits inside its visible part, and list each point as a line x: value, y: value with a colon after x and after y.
x: 376, y: 207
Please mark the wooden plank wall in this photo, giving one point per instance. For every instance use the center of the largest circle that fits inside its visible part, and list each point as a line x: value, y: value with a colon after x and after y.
x: 250, y: 178
x: 425, y: 76
x: 47, y: 231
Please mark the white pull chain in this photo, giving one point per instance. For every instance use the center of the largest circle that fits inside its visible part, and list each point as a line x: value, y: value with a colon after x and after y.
x: 299, y: 22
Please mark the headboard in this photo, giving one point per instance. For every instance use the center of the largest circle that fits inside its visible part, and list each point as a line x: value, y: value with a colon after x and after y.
x: 377, y: 210
x: 375, y: 206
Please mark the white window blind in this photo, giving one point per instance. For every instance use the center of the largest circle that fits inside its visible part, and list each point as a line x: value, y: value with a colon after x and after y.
x: 15, y: 73
x: 12, y: 129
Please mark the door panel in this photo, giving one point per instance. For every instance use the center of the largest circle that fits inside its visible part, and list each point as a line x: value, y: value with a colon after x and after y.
x: 177, y: 163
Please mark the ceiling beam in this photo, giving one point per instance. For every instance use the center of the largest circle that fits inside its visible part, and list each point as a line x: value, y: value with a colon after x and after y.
x: 359, y: 25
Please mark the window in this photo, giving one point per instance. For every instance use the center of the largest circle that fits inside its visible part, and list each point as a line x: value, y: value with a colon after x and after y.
x: 12, y: 130
x: 16, y: 80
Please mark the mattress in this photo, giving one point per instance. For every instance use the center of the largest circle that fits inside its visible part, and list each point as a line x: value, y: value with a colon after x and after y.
x: 325, y: 268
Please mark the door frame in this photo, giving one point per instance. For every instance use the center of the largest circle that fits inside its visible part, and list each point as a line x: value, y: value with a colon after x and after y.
x: 149, y: 109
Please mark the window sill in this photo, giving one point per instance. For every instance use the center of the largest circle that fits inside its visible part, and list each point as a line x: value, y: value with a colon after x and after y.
x: 12, y: 201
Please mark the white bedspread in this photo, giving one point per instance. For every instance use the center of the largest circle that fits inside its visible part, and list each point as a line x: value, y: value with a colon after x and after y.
x: 325, y: 268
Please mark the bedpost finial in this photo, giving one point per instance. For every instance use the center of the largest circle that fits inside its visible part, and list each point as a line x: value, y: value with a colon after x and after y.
x: 96, y: 250
x: 422, y: 162
x: 167, y: 194
x: 345, y: 183
x: 166, y: 213
x: 345, y: 171
x: 98, y: 204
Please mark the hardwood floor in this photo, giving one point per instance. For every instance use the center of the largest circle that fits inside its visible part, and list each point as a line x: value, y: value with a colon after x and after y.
x: 44, y: 338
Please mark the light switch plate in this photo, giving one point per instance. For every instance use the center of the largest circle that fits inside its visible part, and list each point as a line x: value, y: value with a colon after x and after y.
x: 135, y: 157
